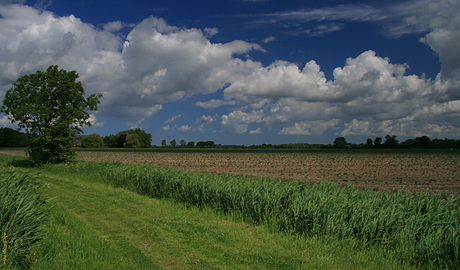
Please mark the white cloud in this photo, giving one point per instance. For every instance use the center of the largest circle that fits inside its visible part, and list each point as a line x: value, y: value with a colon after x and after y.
x: 113, y: 26
x: 309, y: 127
x: 213, y: 103
x: 174, y: 118
x: 93, y: 120
x: 209, y: 118
x: 5, y: 122
x: 210, y: 32
x: 238, y: 121
x: 269, y: 39
x: 439, y: 20
x: 376, y: 94
x: 184, y: 128
x: 158, y: 63
x: 256, y: 131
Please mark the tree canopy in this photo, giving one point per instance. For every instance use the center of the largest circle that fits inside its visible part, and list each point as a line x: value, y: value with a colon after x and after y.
x: 92, y: 141
x: 51, y: 107
x: 145, y: 139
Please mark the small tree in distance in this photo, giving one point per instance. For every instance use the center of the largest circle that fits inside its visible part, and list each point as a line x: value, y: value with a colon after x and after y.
x: 340, y: 142
x: 369, y: 143
x: 132, y: 141
x: 378, y: 142
x: 173, y: 143
x: 92, y: 141
x: 191, y: 144
x: 50, y: 106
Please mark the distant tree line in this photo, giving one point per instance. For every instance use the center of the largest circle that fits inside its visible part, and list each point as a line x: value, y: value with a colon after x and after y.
x: 190, y: 144
x: 137, y: 138
x: 132, y: 138
x: 390, y: 142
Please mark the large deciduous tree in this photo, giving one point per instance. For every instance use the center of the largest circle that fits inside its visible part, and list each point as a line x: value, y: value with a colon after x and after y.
x: 51, y: 107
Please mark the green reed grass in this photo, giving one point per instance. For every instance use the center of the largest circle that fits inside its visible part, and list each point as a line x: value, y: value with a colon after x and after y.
x: 423, y: 229
x: 21, y: 214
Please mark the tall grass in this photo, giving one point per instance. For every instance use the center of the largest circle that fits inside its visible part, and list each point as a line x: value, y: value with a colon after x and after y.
x: 424, y: 230
x: 21, y: 213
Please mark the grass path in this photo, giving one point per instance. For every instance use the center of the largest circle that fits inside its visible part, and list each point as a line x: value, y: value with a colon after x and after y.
x: 93, y: 225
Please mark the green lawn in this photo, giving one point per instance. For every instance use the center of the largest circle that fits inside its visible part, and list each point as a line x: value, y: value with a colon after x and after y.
x: 95, y: 226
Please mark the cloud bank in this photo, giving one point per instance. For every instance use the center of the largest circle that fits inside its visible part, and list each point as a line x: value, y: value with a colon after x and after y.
x: 157, y: 63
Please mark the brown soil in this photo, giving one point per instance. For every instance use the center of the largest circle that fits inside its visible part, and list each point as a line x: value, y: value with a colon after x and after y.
x: 412, y: 172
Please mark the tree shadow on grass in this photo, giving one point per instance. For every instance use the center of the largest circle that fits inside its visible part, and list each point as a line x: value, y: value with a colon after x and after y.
x: 22, y: 163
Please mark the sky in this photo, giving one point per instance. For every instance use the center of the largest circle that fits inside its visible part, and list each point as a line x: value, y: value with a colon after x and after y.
x: 248, y: 72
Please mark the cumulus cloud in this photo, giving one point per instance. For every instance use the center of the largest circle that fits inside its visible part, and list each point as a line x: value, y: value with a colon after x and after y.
x: 377, y: 95
x: 93, y: 120
x: 256, y: 131
x: 159, y: 63
x: 316, y: 127
x: 184, y: 128
x: 439, y: 20
x: 210, y: 32
x: 156, y: 63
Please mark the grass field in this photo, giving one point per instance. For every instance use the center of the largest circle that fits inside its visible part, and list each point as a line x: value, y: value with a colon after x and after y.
x: 94, y: 225
x: 414, y: 230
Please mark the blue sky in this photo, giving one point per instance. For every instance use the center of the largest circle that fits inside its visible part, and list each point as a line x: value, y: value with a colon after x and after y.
x: 248, y: 72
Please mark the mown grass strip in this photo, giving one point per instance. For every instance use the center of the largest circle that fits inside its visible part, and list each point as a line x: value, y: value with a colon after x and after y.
x: 94, y: 225
x: 423, y: 229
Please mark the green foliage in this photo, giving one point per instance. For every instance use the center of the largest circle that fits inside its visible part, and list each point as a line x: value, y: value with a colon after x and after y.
x: 424, y: 230
x: 22, y: 211
x: 390, y: 142
x: 173, y: 143
x: 163, y: 143
x: 12, y: 138
x: 145, y: 139
x: 92, y: 141
x: 340, y: 142
x: 191, y: 144
x: 207, y: 144
x: 50, y: 106
x: 111, y: 141
x: 369, y: 143
x: 378, y: 142
x: 132, y: 141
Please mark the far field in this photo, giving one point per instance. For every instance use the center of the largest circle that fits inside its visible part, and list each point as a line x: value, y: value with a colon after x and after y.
x: 408, y: 170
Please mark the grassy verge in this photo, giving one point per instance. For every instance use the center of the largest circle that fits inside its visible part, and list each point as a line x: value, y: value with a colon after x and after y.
x: 93, y: 225
x: 21, y: 214
x: 424, y: 230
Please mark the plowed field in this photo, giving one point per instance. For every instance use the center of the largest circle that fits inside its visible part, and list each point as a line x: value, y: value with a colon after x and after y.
x: 411, y: 171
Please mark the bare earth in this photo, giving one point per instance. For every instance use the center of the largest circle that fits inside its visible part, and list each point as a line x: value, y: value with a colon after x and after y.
x: 420, y: 171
